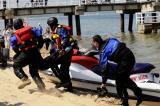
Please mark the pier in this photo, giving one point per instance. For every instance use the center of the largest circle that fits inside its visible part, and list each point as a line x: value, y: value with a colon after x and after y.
x: 9, y: 9
x: 148, y: 22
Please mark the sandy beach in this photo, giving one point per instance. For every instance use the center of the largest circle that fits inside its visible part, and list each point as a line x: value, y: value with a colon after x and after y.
x: 31, y: 96
x: 10, y: 95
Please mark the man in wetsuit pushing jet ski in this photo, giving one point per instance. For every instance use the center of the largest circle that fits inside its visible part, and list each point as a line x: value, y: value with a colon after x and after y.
x: 116, y: 51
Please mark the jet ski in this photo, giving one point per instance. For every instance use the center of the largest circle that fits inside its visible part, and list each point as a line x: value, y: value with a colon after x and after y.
x: 85, y: 73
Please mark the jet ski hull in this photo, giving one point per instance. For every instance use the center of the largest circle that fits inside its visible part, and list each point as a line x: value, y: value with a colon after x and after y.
x: 84, y: 78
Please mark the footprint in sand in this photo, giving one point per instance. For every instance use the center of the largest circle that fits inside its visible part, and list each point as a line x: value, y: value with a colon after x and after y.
x: 52, y: 92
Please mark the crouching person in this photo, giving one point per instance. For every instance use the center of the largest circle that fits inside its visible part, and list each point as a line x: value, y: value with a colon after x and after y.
x: 116, y: 51
x: 26, y: 43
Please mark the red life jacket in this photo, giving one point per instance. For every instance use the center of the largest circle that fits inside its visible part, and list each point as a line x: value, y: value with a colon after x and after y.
x: 23, y: 35
x: 68, y: 28
x: 58, y: 39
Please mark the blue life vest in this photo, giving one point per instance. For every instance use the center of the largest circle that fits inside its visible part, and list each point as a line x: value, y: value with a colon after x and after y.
x: 107, y: 51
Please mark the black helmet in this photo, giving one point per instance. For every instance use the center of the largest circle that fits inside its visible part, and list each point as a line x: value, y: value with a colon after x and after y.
x: 98, y: 39
x: 18, y: 23
x: 52, y: 21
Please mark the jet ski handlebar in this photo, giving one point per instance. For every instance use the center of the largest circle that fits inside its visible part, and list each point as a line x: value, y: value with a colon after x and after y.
x: 91, y: 53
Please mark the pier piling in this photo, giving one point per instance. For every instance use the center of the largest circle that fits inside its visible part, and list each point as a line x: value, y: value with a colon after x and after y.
x: 122, y: 22
x: 78, y: 25
x: 154, y: 19
x: 130, y: 22
x: 70, y: 22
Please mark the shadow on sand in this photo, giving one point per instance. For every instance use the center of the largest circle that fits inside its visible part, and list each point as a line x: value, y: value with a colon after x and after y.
x: 6, y: 104
x: 87, y: 91
x: 9, y: 65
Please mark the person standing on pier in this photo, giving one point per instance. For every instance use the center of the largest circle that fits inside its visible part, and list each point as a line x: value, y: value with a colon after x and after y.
x: 4, y: 4
x: 60, y: 40
x: 26, y: 43
x: 116, y: 51
x: 46, y: 2
x: 17, y: 1
x: 32, y: 2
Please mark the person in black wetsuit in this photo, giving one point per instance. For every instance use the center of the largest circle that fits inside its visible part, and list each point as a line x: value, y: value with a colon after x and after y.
x: 116, y: 51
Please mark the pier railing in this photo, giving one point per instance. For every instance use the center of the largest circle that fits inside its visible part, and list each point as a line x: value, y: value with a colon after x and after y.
x: 147, y: 18
x: 40, y: 3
